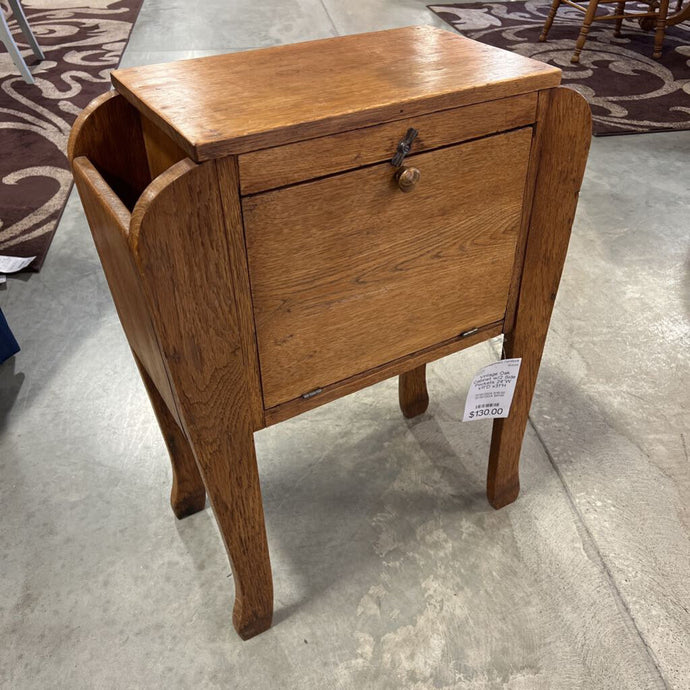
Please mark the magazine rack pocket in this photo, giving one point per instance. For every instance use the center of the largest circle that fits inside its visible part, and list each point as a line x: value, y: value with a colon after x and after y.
x: 111, y: 172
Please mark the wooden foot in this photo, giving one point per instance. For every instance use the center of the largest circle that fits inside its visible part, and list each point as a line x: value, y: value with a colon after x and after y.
x: 565, y: 132
x: 188, y: 495
x: 412, y: 393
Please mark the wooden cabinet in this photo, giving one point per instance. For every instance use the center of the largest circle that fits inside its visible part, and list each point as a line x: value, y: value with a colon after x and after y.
x: 285, y: 226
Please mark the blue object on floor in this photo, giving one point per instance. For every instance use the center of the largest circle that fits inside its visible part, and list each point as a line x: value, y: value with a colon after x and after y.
x: 8, y: 343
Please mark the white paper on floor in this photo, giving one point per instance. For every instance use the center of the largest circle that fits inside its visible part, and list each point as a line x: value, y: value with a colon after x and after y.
x: 12, y: 264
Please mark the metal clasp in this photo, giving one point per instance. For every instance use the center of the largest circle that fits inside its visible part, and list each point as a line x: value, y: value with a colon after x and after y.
x: 404, y: 148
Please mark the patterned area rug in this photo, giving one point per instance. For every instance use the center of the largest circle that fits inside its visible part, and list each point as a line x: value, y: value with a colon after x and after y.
x: 82, y: 41
x: 629, y: 91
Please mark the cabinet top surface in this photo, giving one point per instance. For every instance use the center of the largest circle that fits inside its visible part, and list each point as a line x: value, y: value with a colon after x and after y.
x: 234, y: 103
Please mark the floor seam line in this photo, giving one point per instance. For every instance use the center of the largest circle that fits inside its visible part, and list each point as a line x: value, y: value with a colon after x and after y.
x: 330, y: 19
x: 609, y: 575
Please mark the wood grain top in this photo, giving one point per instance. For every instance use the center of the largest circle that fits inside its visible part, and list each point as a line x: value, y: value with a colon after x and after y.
x: 239, y: 102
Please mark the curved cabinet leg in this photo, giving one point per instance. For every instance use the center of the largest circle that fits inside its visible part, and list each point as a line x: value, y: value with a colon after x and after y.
x: 188, y: 495
x: 503, y: 479
x: 564, y: 145
x: 228, y: 464
x: 412, y: 392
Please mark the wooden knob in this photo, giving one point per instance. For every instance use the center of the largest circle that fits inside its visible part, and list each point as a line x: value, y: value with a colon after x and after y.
x: 407, y: 178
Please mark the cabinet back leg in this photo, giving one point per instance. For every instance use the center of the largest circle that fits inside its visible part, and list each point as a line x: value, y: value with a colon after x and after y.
x: 188, y: 495
x: 412, y: 392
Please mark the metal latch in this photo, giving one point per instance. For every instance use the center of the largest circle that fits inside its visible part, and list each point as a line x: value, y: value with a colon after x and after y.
x: 311, y: 394
x: 404, y: 148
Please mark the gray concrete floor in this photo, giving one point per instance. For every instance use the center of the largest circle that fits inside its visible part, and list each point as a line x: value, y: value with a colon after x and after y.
x: 391, y: 570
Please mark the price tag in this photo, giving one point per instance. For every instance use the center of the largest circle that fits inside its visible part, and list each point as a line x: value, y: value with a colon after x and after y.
x: 491, y: 392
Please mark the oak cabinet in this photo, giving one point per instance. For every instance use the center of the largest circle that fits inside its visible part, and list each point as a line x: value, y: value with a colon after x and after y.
x: 282, y: 227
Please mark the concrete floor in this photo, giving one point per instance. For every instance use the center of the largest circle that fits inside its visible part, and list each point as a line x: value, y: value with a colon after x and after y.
x: 391, y: 570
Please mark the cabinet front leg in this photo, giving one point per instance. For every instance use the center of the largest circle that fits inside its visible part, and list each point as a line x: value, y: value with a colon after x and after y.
x: 228, y: 465
x: 412, y: 392
x: 503, y: 480
x: 565, y: 137
x: 188, y: 495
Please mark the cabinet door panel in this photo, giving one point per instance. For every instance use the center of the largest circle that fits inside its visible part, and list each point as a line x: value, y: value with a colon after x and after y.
x: 349, y: 272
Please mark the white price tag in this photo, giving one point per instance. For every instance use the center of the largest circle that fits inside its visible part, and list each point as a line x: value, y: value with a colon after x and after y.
x: 491, y: 392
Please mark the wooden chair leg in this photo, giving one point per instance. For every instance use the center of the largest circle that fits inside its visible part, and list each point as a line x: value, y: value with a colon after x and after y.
x: 620, y: 9
x: 660, y: 29
x: 188, y: 495
x: 412, y: 392
x: 549, y: 20
x: 589, y: 18
x: 565, y: 133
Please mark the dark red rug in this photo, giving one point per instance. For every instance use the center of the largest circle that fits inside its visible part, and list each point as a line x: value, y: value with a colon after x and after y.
x: 629, y: 92
x: 83, y: 40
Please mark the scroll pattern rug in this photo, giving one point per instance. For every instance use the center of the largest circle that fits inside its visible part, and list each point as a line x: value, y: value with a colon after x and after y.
x: 83, y: 40
x: 629, y: 92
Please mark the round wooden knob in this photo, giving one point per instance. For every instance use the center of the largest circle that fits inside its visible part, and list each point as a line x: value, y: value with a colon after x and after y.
x: 407, y: 178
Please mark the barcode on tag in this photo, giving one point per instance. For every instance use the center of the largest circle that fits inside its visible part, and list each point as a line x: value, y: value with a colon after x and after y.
x: 491, y: 392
